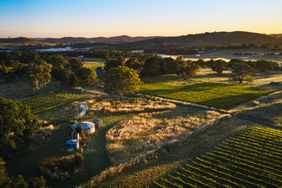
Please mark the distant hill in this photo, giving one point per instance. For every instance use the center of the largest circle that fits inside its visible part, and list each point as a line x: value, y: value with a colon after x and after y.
x: 108, y: 40
x: 210, y: 39
x: 124, y: 41
x: 17, y: 40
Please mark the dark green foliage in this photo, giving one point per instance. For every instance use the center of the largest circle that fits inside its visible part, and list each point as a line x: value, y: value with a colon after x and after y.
x: 121, y: 80
x: 17, y: 126
x: 114, y: 62
x: 19, y: 181
x: 242, y: 71
x: 168, y: 66
x: 152, y: 67
x: 39, y: 74
x: 187, y: 69
x: 59, y: 63
x: 219, y: 66
x: 86, y: 76
x: 37, y: 182
x: 135, y: 64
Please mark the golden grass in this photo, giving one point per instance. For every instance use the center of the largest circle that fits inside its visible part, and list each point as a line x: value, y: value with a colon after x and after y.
x: 148, y: 131
x: 109, y: 104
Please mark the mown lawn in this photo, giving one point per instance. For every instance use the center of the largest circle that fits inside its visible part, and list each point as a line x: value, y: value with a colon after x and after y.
x: 220, y: 95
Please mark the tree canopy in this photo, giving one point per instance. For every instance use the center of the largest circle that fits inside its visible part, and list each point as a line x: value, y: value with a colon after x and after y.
x: 39, y: 74
x: 242, y: 71
x: 121, y: 80
x: 17, y: 126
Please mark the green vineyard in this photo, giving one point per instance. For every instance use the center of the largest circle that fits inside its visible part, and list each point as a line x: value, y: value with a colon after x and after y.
x: 252, y: 158
x: 50, y: 101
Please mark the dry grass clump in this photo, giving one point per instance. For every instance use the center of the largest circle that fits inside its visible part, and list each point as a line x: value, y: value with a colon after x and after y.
x: 111, y: 104
x: 149, y: 131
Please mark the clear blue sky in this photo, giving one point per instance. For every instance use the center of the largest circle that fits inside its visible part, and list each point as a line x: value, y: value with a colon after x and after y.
x: 90, y: 18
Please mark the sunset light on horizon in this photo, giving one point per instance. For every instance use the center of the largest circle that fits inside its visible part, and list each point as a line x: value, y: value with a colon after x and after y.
x: 94, y: 18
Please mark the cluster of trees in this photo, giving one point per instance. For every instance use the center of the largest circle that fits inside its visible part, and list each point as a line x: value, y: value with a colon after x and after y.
x: 17, y: 127
x: 148, y: 65
x: 243, y: 70
x: 123, y: 74
x: 70, y: 72
x: 19, y: 181
x: 39, y: 70
x: 119, y: 69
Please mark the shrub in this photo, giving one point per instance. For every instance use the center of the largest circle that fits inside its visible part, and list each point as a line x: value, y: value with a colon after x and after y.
x: 62, y: 167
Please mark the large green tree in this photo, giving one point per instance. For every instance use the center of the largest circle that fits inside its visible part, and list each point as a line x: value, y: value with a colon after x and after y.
x: 86, y: 76
x: 59, y: 64
x: 152, y: 67
x: 219, y: 66
x: 241, y: 71
x: 39, y: 74
x: 187, y: 69
x: 17, y: 126
x: 121, y: 80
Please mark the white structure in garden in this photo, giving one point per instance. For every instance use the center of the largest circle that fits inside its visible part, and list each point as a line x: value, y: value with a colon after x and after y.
x: 88, y: 127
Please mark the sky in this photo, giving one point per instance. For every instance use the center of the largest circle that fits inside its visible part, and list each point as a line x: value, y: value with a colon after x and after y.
x: 93, y: 18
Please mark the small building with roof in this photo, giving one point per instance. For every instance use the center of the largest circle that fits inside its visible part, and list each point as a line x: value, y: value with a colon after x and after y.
x: 88, y: 127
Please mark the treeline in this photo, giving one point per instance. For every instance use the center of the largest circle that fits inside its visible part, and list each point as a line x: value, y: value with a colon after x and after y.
x: 40, y: 69
x: 67, y: 68
x: 152, y: 65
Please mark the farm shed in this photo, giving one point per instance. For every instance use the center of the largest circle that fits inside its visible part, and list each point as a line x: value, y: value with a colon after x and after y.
x: 72, y: 145
x: 88, y: 127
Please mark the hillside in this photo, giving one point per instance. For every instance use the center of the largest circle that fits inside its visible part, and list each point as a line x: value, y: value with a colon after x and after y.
x: 109, y: 40
x: 209, y: 39
x: 124, y: 41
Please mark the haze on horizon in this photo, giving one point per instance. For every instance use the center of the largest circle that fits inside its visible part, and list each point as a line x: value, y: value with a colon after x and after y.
x: 92, y: 18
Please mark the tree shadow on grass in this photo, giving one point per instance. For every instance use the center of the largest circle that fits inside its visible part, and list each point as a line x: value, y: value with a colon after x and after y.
x: 228, y: 102
x: 266, y: 113
x: 95, y: 155
x: 205, y: 86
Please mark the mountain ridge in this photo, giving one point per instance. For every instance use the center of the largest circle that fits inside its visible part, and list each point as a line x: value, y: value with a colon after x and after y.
x: 202, y: 39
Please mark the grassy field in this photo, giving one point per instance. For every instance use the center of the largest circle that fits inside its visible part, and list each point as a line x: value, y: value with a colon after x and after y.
x: 268, y: 109
x: 221, y: 95
x: 176, y: 154
x: 50, y: 101
x: 95, y: 152
x: 93, y: 63
x: 132, y: 137
x: 251, y: 158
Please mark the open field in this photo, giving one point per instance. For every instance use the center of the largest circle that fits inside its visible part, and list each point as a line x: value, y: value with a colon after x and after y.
x: 221, y: 95
x: 115, y: 140
x: 148, y: 132
x: 251, y: 158
x: 266, y: 109
x: 19, y: 90
x: 93, y: 63
x: 50, y: 101
x: 175, y: 154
